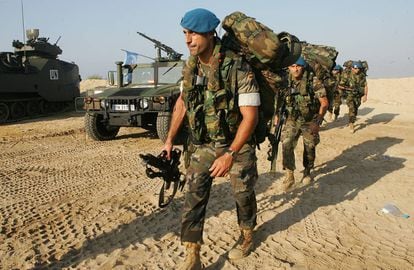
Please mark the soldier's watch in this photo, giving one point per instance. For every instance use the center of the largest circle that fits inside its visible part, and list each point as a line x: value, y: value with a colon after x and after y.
x: 231, y: 152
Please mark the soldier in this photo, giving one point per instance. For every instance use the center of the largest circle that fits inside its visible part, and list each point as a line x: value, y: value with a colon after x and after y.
x: 337, y: 98
x: 222, y: 117
x: 329, y: 84
x: 306, y: 104
x: 354, y: 84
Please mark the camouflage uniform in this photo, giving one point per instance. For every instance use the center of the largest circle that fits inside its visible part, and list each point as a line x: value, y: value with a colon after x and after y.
x: 337, y: 99
x: 355, y: 86
x: 302, y: 106
x: 330, y: 84
x: 214, y: 116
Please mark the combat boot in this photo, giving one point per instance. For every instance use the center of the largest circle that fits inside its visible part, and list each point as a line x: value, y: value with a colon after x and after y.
x: 244, y: 245
x: 192, y: 260
x: 307, y: 177
x: 351, y: 127
x: 335, y: 117
x: 288, y: 181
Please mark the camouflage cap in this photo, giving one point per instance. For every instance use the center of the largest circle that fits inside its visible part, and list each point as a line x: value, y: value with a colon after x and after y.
x: 200, y: 20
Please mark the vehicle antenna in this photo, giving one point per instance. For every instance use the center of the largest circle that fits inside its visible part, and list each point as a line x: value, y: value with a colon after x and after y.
x: 24, y: 34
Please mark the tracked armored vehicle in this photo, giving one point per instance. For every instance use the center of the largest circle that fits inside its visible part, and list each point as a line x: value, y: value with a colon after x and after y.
x: 33, y: 81
x: 146, y: 101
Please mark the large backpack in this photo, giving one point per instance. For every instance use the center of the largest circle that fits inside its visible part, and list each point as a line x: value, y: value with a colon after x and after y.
x: 270, y: 54
x: 348, y: 65
x: 320, y: 58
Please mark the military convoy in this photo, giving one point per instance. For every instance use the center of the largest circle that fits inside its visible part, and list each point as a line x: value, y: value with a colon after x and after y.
x: 147, y: 101
x: 33, y: 81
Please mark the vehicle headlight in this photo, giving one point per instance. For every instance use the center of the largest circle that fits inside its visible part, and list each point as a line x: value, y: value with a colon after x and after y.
x: 104, y: 103
x: 143, y: 103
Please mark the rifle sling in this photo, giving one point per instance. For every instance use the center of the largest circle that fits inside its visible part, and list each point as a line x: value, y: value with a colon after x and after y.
x: 161, y: 203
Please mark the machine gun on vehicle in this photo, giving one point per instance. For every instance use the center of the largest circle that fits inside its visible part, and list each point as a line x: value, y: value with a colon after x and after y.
x: 167, y: 170
x: 171, y: 53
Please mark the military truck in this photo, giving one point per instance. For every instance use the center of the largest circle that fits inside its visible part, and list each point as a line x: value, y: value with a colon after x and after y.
x: 147, y: 101
x: 33, y: 81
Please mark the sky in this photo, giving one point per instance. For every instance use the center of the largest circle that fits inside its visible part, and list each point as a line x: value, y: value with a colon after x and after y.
x: 93, y: 32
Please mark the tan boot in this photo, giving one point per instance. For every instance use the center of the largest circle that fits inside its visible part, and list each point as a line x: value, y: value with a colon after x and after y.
x: 351, y: 127
x: 244, y: 246
x: 192, y: 260
x: 288, y: 181
x: 307, y: 177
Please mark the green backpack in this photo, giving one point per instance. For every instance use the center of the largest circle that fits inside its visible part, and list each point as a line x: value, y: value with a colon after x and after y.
x: 348, y: 65
x: 320, y: 58
x: 269, y: 54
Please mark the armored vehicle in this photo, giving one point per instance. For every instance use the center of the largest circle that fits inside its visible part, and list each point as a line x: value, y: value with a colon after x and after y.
x: 145, y: 101
x: 33, y: 81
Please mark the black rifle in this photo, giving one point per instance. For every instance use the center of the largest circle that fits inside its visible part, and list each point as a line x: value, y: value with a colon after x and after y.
x: 171, y: 53
x: 167, y: 170
x: 274, y: 138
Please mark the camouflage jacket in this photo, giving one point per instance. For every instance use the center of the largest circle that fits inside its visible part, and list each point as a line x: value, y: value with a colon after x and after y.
x: 210, y: 95
x: 354, y: 83
x: 331, y: 83
x: 302, y: 97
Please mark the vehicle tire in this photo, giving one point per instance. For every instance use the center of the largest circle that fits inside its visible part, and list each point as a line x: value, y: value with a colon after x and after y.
x: 17, y: 110
x: 97, y: 129
x: 163, y: 125
x: 4, y: 112
x: 33, y: 107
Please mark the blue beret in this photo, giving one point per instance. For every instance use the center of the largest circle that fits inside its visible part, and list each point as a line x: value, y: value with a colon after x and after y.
x: 301, y: 62
x: 356, y: 64
x: 200, y: 20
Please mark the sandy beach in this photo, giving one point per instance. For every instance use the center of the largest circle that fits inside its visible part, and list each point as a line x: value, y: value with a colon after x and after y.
x: 68, y: 202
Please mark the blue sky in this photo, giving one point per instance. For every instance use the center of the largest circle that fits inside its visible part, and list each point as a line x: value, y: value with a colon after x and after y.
x: 94, y: 31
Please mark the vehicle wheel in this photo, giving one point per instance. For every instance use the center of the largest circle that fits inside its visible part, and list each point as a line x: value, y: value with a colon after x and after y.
x: 46, y: 107
x: 97, y: 129
x: 163, y: 125
x: 17, y: 110
x: 4, y: 112
x: 57, y: 107
x: 33, y: 107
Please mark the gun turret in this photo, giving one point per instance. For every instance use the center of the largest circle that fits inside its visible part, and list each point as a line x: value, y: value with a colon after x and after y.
x: 36, y: 45
x: 172, y: 55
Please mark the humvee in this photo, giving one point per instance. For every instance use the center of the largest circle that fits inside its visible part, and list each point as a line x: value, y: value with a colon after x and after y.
x: 146, y: 101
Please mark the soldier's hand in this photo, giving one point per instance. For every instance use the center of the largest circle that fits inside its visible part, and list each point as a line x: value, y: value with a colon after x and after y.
x: 276, y: 120
x: 221, y: 166
x: 364, y: 98
x: 168, y: 148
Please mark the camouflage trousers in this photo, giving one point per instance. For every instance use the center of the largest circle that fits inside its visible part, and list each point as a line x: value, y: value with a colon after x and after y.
x: 337, y: 101
x: 330, y: 96
x: 243, y: 176
x: 353, y: 102
x: 289, y: 138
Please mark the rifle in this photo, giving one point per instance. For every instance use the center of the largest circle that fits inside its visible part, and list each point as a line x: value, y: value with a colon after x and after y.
x: 274, y: 138
x: 167, y: 170
x: 171, y: 53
